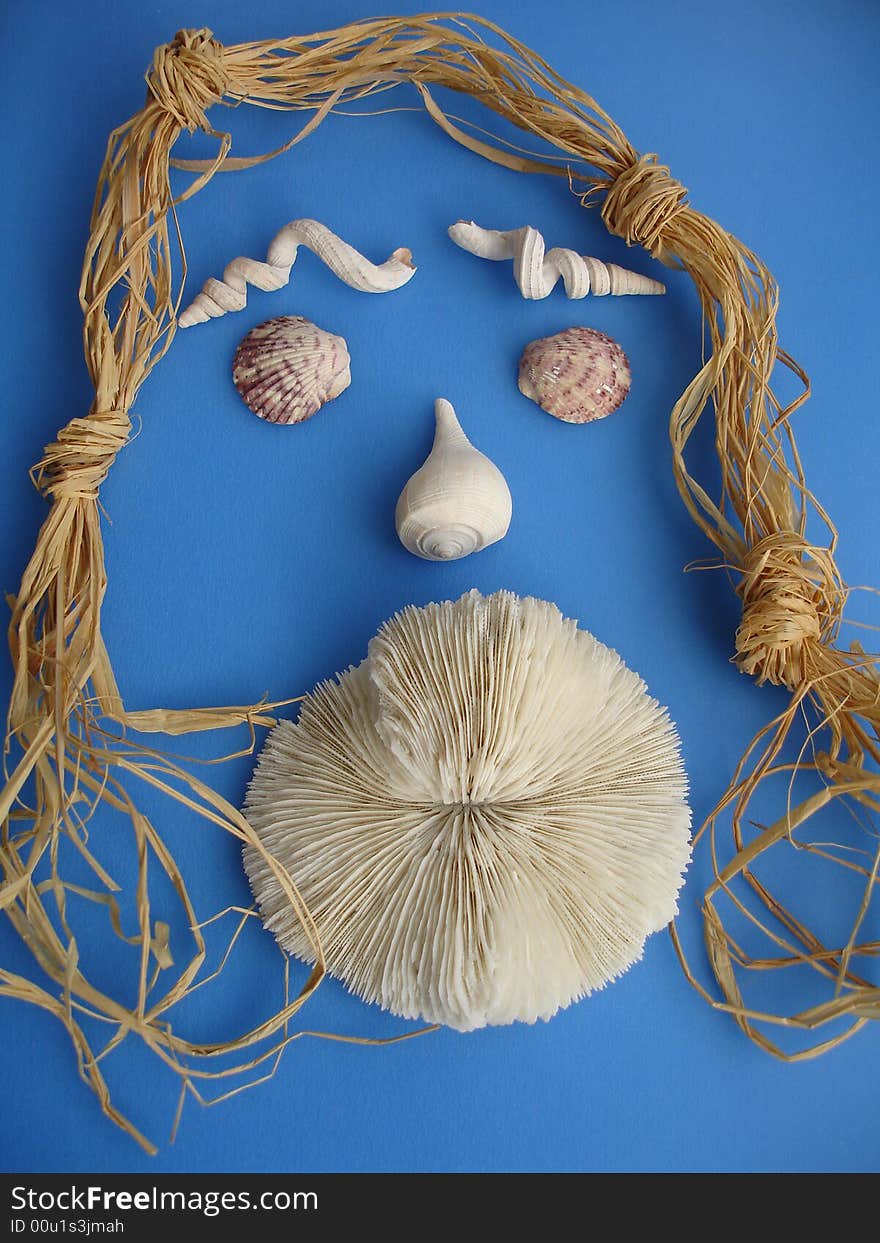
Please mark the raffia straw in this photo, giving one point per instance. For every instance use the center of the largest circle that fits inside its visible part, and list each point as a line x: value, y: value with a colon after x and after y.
x: 68, y: 754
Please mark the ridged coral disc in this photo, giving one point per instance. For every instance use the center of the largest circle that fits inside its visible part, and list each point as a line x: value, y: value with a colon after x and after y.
x: 287, y: 368
x: 578, y: 375
x: 486, y: 818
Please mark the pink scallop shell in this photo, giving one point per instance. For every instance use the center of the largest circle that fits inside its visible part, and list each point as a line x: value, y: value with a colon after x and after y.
x: 578, y: 375
x: 287, y: 368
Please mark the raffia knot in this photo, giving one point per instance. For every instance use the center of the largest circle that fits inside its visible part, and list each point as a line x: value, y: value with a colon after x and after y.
x: 641, y: 203
x: 77, y: 463
x: 793, y: 598
x: 188, y: 76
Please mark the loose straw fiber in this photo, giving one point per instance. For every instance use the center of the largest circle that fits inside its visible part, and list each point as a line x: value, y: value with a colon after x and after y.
x: 67, y: 751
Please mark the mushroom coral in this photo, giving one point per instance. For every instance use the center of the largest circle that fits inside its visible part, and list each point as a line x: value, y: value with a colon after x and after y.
x: 487, y: 817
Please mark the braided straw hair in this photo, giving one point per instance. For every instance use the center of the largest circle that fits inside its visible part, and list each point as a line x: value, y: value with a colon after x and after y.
x: 66, y: 756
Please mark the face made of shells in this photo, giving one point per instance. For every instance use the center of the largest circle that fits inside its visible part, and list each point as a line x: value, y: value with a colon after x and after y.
x: 578, y: 375
x: 287, y: 368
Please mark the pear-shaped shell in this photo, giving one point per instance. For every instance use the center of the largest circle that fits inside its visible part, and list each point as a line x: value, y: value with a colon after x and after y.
x: 457, y: 502
x: 578, y: 375
x: 287, y: 368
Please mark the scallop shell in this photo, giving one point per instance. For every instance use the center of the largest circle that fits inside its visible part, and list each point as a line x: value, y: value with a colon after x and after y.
x: 578, y: 375
x: 288, y: 368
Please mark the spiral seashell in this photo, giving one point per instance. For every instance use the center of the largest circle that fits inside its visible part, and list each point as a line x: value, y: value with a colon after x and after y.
x: 578, y: 375
x: 287, y: 368
x: 457, y: 502
x: 537, y: 273
x: 230, y: 294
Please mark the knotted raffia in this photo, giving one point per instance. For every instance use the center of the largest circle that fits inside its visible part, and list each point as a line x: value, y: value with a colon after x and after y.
x: 79, y: 461
x: 188, y: 76
x: 68, y: 754
x: 642, y: 202
x: 793, y: 599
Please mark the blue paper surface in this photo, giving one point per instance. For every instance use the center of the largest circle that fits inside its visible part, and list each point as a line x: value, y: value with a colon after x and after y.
x: 245, y: 558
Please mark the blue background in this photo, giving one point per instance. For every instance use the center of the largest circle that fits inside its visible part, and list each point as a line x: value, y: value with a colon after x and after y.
x: 244, y: 558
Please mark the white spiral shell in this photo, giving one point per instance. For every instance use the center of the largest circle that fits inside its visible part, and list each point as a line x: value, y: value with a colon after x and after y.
x: 537, y: 272
x: 457, y: 502
x: 230, y: 294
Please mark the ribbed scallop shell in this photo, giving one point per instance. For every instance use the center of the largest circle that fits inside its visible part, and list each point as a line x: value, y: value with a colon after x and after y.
x: 578, y: 375
x: 287, y: 368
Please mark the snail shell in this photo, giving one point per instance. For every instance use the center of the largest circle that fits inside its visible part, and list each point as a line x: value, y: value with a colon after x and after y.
x: 288, y: 368
x: 457, y: 502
